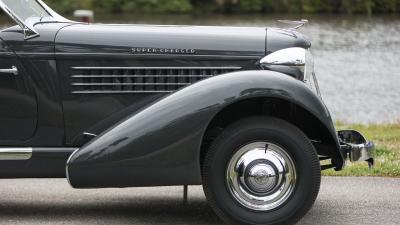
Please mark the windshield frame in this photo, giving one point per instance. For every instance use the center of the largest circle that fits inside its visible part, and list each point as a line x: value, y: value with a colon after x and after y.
x: 28, y: 25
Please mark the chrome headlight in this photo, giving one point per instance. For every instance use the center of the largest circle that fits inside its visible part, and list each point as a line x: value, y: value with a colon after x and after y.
x: 298, y: 58
x: 286, y: 57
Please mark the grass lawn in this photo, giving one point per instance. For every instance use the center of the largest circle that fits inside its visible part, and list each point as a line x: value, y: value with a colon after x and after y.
x: 387, y: 161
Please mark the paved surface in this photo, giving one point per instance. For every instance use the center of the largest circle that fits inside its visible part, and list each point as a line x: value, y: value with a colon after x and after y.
x: 341, y: 201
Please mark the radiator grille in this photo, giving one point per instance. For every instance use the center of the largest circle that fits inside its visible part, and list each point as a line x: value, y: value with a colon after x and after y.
x: 98, y: 80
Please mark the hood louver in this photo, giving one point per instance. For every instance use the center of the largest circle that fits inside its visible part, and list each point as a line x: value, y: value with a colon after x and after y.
x: 99, y: 80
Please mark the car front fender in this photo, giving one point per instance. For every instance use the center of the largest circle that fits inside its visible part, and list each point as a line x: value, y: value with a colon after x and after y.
x: 160, y: 145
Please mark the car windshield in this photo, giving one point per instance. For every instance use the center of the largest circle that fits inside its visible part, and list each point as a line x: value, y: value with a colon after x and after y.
x: 27, y: 10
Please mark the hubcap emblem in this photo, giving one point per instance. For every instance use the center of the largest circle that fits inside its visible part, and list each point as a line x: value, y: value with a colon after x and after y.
x: 261, y: 176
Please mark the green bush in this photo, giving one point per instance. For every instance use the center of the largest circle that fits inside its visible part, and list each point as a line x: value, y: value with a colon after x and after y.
x: 158, y: 6
x: 251, y: 5
x: 320, y: 6
x: 357, y: 6
x: 386, y: 6
x: 110, y: 6
x: 62, y: 6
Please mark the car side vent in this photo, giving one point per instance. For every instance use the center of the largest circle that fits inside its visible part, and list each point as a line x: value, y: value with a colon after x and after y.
x: 98, y: 80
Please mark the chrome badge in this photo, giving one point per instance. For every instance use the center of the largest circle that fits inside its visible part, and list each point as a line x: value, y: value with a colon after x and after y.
x: 173, y: 51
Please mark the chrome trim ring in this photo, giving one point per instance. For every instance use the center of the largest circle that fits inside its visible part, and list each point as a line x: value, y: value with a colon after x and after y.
x: 261, y: 176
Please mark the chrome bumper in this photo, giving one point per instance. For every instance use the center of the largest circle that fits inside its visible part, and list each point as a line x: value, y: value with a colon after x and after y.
x: 355, y: 147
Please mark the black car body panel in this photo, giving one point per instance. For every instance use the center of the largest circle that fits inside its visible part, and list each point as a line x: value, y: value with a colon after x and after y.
x: 102, y: 46
x: 106, y: 40
x: 160, y: 145
x: 45, y: 162
x: 38, y: 82
x: 235, y: 109
x: 278, y: 39
x: 147, y: 92
x: 18, y: 113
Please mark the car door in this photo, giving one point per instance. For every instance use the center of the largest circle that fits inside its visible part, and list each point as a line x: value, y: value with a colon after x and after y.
x: 18, y: 107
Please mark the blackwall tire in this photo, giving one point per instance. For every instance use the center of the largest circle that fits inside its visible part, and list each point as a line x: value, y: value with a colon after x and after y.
x: 261, y: 170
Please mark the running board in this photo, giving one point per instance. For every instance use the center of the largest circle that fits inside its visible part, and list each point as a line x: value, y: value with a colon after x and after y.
x: 34, y: 162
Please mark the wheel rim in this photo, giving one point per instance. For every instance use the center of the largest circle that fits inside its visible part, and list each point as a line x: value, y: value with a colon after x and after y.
x: 261, y: 176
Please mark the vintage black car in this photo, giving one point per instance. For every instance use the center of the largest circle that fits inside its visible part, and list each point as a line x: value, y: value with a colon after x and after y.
x: 235, y: 109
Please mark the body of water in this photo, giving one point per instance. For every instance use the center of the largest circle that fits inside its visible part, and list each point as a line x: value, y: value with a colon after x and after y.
x: 357, y: 58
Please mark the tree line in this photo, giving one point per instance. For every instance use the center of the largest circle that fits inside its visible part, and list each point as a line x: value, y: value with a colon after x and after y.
x: 230, y: 6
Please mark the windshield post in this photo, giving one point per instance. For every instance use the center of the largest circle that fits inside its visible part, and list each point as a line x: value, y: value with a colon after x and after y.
x: 27, y: 13
x: 29, y: 32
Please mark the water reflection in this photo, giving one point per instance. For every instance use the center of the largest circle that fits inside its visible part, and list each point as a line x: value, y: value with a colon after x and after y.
x: 356, y: 58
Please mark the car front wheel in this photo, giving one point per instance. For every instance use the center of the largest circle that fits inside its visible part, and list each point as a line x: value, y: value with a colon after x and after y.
x: 261, y: 170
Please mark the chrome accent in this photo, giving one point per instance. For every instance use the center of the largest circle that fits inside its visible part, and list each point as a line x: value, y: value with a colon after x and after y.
x: 125, y: 80
x: 156, y: 68
x: 13, y: 70
x: 28, y: 28
x: 159, y: 56
x: 298, y: 58
x: 297, y: 24
x: 286, y: 57
x: 309, y: 73
x: 261, y: 176
x: 29, y: 31
x: 133, y: 84
x: 89, y: 134
x: 15, y: 153
x: 66, y: 167
x: 119, y: 92
x: 55, y: 15
x: 356, y: 147
x: 138, y: 76
x: 181, y: 51
x: 362, y: 152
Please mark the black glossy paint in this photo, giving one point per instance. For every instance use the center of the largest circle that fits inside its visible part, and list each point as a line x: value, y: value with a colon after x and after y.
x: 83, y: 45
x: 36, y: 61
x: 161, y: 144
x: 106, y: 40
x: 283, y: 38
x: 44, y: 163
x: 18, y: 106
x: 146, y: 138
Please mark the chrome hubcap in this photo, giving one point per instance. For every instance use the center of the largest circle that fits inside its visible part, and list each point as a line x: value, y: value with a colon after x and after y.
x: 261, y: 176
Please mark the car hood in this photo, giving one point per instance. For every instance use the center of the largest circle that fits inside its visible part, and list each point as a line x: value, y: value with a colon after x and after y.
x: 152, y: 39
